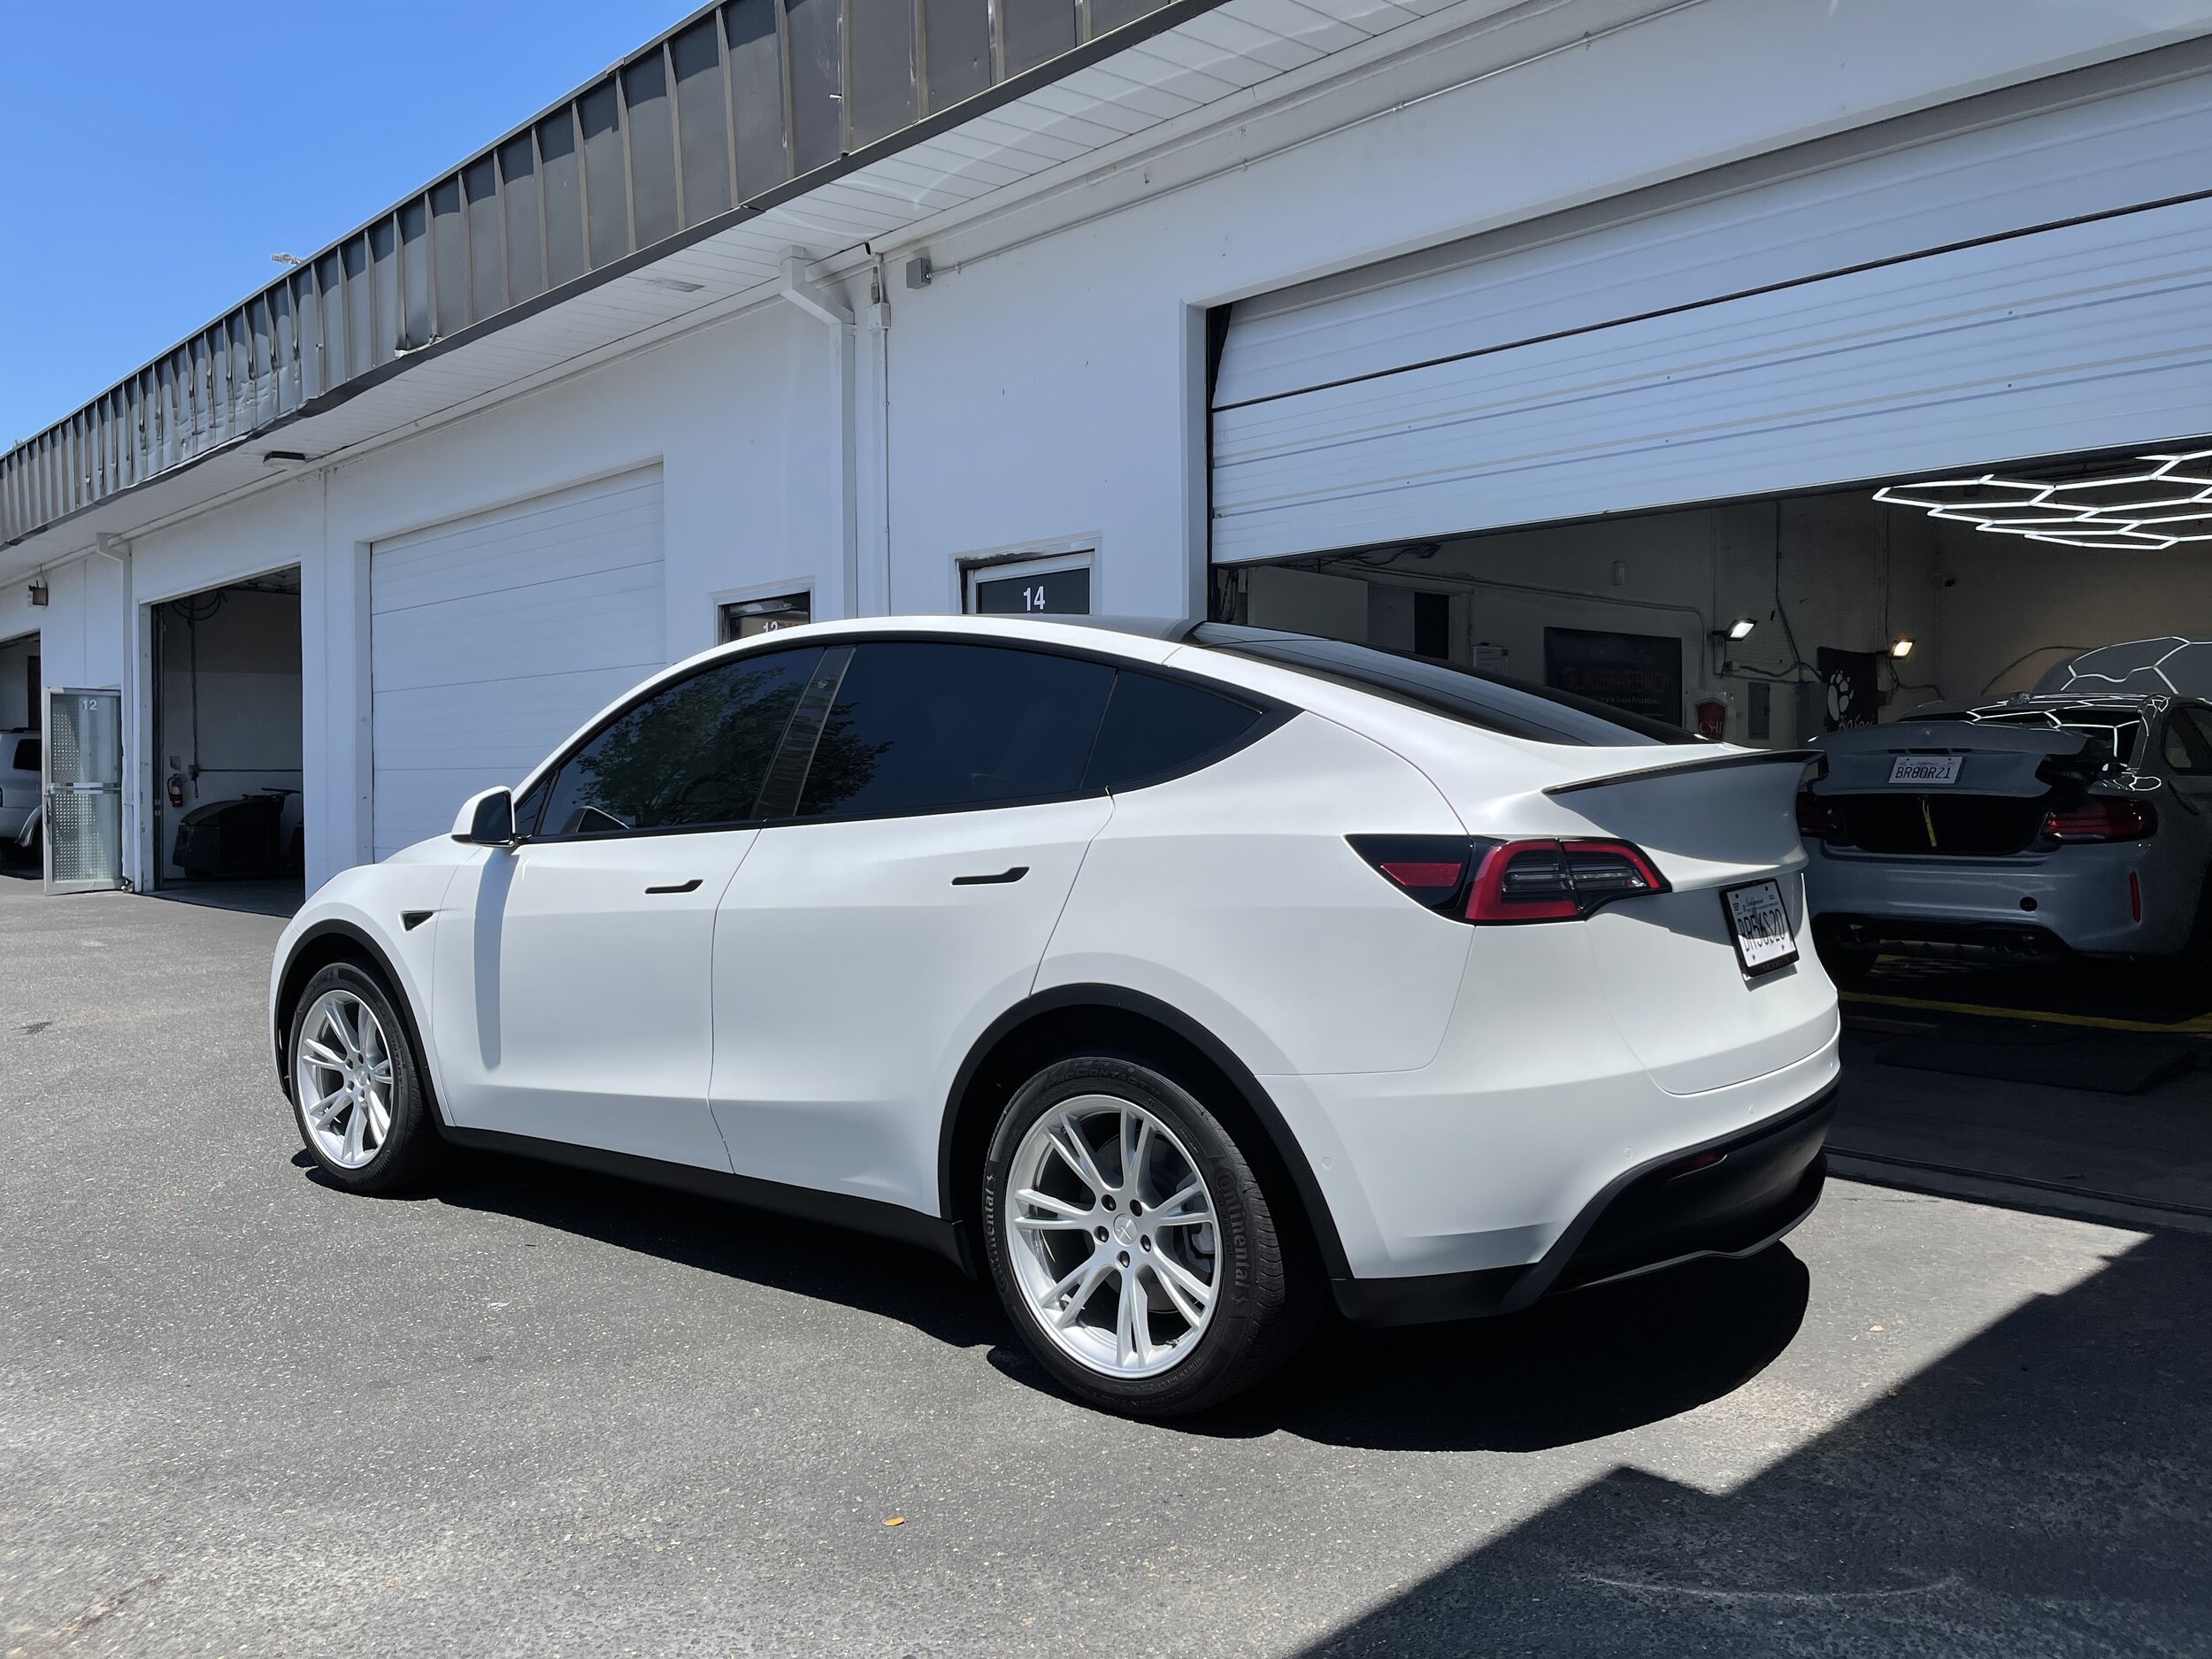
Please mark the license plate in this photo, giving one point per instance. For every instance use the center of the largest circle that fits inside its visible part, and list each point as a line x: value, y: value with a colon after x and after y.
x: 1925, y: 769
x: 1759, y: 924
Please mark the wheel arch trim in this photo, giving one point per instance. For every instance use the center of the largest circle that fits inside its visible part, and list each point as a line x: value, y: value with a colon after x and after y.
x: 359, y: 937
x: 1252, y: 1096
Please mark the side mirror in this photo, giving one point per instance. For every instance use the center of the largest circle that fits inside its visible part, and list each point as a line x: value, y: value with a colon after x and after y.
x: 487, y: 819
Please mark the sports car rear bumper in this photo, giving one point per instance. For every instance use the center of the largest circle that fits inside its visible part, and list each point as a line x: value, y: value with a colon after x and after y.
x: 1731, y: 1196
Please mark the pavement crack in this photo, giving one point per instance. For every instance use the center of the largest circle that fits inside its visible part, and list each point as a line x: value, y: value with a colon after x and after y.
x: 76, y: 1625
x: 1702, y: 1593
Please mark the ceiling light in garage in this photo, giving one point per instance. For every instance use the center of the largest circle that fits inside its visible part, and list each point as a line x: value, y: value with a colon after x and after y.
x: 1741, y: 628
x: 1901, y: 649
x: 2149, y: 503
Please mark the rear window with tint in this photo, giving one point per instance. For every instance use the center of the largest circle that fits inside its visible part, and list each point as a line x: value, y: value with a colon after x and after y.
x: 924, y: 727
x: 26, y: 754
x: 1156, y: 727
x: 1510, y: 707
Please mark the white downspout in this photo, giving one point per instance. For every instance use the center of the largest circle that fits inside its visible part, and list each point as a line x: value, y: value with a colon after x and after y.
x: 826, y: 306
x: 880, y: 331
x: 137, y: 767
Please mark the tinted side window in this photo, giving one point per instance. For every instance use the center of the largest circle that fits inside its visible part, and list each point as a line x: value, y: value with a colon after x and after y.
x: 693, y: 753
x: 1154, y: 727
x: 924, y: 727
x: 26, y: 754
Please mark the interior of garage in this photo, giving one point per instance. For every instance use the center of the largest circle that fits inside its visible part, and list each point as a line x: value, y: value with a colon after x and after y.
x: 18, y: 719
x: 226, y: 726
x: 1777, y: 622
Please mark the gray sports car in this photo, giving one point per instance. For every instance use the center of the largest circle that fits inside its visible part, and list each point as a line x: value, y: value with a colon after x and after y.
x: 2073, y: 818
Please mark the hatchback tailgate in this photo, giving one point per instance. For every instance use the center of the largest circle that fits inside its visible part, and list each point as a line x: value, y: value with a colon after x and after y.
x: 1667, y: 964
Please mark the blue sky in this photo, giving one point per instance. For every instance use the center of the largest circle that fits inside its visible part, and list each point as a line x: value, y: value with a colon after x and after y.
x: 157, y: 155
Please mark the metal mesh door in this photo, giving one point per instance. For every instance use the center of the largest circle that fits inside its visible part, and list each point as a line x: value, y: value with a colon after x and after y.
x: 84, y: 790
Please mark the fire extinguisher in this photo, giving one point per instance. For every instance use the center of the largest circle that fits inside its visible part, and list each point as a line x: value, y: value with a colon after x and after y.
x: 176, y: 789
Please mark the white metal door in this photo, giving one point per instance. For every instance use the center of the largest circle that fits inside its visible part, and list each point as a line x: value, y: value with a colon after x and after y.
x: 1950, y: 299
x: 494, y: 637
x: 854, y: 965
x: 82, y: 789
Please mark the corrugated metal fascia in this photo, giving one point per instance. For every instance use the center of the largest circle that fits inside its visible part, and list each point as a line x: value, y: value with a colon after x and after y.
x: 353, y: 308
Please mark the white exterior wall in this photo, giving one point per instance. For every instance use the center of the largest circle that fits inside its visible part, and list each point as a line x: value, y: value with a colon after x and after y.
x: 1045, y: 389
x: 740, y: 418
x: 1048, y: 391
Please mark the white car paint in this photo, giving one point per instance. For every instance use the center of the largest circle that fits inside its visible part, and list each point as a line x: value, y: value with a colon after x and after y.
x: 19, y: 784
x: 1460, y: 1094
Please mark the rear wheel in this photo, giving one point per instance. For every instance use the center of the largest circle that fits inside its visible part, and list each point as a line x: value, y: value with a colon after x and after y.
x: 357, y: 1092
x: 1132, y: 1243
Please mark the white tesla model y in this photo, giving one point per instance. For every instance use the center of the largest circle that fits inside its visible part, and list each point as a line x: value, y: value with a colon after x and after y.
x: 1179, y: 977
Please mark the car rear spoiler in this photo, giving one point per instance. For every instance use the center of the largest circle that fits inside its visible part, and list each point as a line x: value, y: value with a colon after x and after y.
x: 1800, y: 757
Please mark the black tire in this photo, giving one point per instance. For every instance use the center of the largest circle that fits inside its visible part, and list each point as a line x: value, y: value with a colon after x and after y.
x: 413, y: 1150
x: 1264, y: 1306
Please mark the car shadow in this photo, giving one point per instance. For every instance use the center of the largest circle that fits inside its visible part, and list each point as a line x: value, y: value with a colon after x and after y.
x: 1585, y: 1365
x: 894, y: 1281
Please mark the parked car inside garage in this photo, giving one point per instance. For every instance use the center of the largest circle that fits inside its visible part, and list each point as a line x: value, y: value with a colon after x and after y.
x: 2076, y: 817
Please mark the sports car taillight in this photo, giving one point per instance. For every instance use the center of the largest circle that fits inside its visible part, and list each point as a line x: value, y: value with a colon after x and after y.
x: 1481, y: 880
x: 2101, y: 818
x: 1821, y: 820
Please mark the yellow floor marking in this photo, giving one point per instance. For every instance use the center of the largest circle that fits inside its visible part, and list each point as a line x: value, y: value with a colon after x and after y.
x: 2200, y: 1026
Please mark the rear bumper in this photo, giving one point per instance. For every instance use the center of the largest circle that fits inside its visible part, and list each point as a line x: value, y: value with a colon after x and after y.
x: 2076, y: 898
x: 1682, y: 1205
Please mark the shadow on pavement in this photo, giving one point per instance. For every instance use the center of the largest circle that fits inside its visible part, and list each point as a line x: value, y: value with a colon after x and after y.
x: 2046, y: 1489
x: 1589, y: 1364
x: 895, y: 1282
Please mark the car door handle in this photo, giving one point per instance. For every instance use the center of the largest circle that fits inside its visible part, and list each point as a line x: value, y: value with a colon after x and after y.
x: 691, y: 886
x: 1000, y: 880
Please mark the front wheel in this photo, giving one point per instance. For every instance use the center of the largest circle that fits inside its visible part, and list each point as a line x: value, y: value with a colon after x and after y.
x: 358, y: 1096
x: 1132, y: 1243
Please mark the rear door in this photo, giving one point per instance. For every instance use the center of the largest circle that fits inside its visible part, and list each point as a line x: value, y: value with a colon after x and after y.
x: 938, y: 818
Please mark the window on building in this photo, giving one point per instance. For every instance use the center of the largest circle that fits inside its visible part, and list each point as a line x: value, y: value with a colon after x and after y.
x: 925, y: 727
x: 745, y: 618
x: 1059, y: 585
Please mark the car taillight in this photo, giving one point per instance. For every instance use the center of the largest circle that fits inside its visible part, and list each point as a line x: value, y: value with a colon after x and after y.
x: 1821, y: 820
x: 2101, y: 818
x: 1486, y: 880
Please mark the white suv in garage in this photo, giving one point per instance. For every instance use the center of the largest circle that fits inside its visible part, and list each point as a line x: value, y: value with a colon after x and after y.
x: 1176, y: 975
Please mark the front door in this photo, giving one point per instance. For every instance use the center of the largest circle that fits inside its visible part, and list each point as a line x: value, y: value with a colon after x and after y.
x: 574, y: 969
x: 869, y: 941
x: 82, y: 793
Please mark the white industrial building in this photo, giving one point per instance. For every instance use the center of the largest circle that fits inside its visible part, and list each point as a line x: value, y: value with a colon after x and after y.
x: 1563, y: 337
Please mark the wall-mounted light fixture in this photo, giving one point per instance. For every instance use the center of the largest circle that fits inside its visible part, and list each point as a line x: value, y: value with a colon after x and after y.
x: 38, y: 590
x: 1723, y: 638
x: 2149, y: 503
x: 1901, y: 649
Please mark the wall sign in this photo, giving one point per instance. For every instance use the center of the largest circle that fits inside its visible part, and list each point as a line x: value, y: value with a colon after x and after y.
x: 1640, y: 673
x: 744, y: 618
x: 1057, y: 586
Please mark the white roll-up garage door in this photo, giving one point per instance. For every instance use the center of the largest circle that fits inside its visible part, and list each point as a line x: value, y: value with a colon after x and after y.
x: 494, y: 637
x: 1982, y: 291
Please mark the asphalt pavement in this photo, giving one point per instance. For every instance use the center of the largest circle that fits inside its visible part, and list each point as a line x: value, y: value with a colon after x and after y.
x: 542, y: 1413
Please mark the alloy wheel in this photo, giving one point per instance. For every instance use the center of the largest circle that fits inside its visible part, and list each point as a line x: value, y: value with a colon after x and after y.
x: 1111, y: 1234
x: 343, y: 1079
